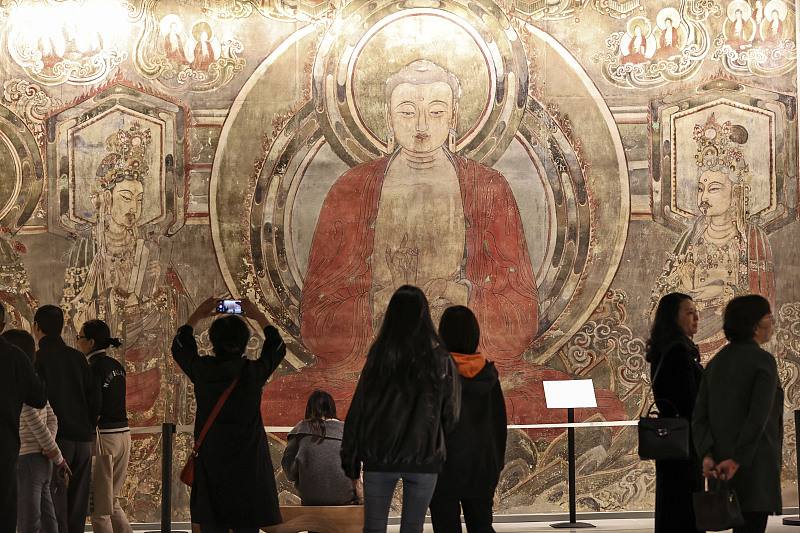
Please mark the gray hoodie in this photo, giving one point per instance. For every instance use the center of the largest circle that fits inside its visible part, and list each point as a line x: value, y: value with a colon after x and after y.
x: 316, y: 467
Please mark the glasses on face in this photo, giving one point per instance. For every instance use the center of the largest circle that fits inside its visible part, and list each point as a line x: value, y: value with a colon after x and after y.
x: 79, y: 337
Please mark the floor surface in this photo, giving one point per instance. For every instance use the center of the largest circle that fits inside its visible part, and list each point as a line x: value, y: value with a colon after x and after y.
x: 627, y: 525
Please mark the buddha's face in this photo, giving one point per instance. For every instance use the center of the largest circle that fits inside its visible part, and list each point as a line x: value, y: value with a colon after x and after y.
x: 126, y: 202
x: 714, y: 193
x: 421, y: 115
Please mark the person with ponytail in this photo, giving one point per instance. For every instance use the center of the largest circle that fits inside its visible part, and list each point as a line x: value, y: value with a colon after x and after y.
x: 94, y: 340
x: 311, y: 458
x: 234, y: 481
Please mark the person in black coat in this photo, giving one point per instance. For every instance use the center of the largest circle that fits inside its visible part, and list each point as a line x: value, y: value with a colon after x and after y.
x: 18, y: 384
x: 234, y: 481
x: 738, y: 421
x: 676, y: 374
x: 476, y: 445
x: 76, y: 402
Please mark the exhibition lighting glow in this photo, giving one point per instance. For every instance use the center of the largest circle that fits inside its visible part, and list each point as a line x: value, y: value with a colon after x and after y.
x: 88, y: 25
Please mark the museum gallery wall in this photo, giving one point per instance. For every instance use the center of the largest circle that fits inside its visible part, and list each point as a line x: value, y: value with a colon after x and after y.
x: 601, y: 153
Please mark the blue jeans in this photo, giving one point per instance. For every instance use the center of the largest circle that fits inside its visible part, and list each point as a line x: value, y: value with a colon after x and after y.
x: 378, y: 490
x: 35, y: 511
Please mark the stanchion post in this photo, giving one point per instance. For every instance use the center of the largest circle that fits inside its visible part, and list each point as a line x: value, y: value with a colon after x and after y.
x: 795, y: 520
x: 573, y: 509
x: 167, y: 431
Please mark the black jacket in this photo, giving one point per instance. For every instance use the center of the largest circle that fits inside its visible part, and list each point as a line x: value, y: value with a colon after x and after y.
x: 476, y: 445
x: 18, y: 383
x: 739, y: 416
x: 73, y: 395
x: 109, y: 375
x: 234, y: 482
x: 401, y: 428
x: 675, y: 391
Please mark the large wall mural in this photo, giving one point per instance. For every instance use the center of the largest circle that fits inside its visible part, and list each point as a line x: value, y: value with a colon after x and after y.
x: 596, y: 154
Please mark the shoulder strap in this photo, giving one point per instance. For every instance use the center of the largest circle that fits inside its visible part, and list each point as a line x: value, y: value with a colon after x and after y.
x: 214, y: 413
x: 658, y: 368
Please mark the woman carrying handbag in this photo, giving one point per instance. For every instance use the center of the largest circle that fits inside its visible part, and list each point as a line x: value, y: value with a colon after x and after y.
x: 676, y: 375
x: 738, y: 420
x: 234, y: 482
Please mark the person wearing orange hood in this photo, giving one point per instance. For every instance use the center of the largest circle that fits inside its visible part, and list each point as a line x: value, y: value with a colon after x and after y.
x: 476, y: 444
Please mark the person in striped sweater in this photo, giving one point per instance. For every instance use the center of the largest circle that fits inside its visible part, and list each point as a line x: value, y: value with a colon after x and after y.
x: 38, y: 455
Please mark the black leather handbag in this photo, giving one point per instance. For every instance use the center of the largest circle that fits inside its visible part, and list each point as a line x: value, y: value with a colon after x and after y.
x: 717, y: 510
x: 663, y: 437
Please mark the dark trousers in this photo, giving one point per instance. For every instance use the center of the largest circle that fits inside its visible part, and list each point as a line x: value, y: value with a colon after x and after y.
x: 8, y: 492
x: 753, y: 523
x: 676, y: 481
x: 71, y: 502
x: 446, y: 514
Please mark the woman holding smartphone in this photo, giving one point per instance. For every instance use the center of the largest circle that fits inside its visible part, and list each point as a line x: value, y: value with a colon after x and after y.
x: 234, y: 482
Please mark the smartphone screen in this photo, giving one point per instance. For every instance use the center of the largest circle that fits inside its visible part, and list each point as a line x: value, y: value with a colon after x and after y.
x: 229, y: 306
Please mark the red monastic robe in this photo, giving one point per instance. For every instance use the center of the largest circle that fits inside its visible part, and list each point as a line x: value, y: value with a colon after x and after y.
x: 337, y: 321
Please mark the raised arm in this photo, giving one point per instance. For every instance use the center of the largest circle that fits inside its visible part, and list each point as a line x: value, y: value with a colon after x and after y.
x: 274, y: 349
x: 184, y: 345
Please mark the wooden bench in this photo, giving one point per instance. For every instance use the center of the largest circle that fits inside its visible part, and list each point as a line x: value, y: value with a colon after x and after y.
x: 320, y: 519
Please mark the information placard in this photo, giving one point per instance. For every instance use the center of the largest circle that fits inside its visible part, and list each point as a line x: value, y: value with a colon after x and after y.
x: 574, y: 393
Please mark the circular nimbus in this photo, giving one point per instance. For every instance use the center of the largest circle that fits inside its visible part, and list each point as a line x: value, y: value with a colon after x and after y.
x: 668, y: 13
x: 739, y: 5
x: 199, y: 28
x: 372, y: 41
x: 21, y: 171
x: 166, y: 23
x: 776, y: 5
x: 642, y: 23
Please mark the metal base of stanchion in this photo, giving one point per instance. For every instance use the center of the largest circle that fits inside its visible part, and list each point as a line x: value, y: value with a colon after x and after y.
x: 791, y: 521
x: 576, y: 525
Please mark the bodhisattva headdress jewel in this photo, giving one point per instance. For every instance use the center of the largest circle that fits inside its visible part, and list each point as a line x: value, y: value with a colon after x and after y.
x: 719, y: 150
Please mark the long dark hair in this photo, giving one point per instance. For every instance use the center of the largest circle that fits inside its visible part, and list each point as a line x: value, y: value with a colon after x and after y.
x: 320, y: 406
x: 666, y: 331
x: 98, y: 331
x: 407, y: 347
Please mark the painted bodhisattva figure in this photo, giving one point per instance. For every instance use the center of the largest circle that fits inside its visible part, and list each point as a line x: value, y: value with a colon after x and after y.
x: 119, y: 272
x: 723, y: 254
